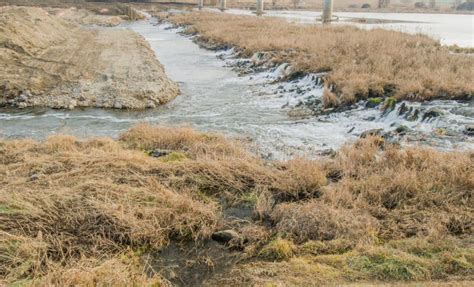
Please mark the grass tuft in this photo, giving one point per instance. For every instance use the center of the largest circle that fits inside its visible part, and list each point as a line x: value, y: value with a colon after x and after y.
x: 278, y: 249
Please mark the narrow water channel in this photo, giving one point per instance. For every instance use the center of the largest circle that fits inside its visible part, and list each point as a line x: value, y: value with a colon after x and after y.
x: 215, y: 98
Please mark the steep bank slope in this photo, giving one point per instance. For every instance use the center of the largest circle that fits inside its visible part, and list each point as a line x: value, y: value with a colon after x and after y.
x: 47, y: 61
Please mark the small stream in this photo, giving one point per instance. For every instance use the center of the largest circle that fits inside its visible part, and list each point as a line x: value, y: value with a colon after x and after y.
x: 254, y: 107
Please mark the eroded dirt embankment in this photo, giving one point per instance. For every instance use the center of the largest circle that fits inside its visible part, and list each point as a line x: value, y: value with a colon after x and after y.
x: 48, y: 61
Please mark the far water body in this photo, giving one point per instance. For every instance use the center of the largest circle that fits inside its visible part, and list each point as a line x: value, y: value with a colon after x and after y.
x: 215, y: 98
x: 449, y: 29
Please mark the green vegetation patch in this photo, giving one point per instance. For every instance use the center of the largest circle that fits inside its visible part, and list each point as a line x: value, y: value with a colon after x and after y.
x: 337, y: 246
x: 174, y: 157
x: 278, y: 249
x: 8, y: 209
x: 389, y: 104
x: 375, y: 101
x: 390, y: 266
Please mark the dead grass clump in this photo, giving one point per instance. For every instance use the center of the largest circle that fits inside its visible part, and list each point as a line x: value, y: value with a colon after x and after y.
x: 264, y: 204
x: 359, y: 63
x: 336, y: 246
x: 70, y: 209
x: 278, y: 249
x: 227, y: 178
x: 386, y: 265
x: 314, y: 220
x: 125, y: 270
x: 300, y: 178
x: 145, y: 137
x: 410, y: 190
x: 330, y: 100
x: 88, y: 198
x: 20, y: 256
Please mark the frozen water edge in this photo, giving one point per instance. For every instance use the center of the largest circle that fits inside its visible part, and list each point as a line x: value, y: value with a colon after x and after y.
x: 445, y: 131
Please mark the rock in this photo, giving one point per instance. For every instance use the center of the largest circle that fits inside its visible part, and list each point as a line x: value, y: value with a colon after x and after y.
x: 326, y: 152
x: 403, y: 109
x: 365, y: 6
x: 72, y: 104
x: 150, y: 105
x: 226, y: 236
x: 373, y: 102
x: 371, y: 132
x: 412, y: 117
x: 311, y: 102
x: 159, y: 152
x: 433, y: 113
x: 22, y: 98
x: 391, y: 137
x: 260, y: 57
x: 34, y: 177
x: 287, y: 71
x: 22, y: 105
x: 420, y: 5
x: 469, y: 130
x: 117, y: 106
x: 401, y: 130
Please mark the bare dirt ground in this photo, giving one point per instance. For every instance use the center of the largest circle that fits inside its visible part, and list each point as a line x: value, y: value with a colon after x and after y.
x: 86, y: 17
x: 50, y: 60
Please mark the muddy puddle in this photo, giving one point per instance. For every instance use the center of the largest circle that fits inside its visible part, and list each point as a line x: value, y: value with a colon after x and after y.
x: 272, y: 115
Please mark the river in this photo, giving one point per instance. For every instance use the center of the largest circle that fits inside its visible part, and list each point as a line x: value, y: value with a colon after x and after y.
x: 253, y: 107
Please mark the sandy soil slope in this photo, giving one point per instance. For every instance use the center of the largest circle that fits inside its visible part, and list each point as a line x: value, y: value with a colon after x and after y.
x: 85, y: 17
x: 46, y: 60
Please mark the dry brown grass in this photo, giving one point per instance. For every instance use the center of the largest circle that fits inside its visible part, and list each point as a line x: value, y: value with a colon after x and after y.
x: 73, y: 212
x: 359, y: 63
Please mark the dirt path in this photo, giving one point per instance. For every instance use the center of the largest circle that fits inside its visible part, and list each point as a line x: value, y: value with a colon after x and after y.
x: 48, y: 61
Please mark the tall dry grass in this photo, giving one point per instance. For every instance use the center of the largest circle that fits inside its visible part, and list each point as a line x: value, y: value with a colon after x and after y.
x: 359, y: 63
x: 73, y: 212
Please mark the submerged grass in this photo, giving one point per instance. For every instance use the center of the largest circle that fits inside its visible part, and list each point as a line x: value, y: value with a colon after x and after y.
x: 358, y: 63
x: 73, y: 212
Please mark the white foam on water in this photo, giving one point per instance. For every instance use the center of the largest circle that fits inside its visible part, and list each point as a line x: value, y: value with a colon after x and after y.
x: 256, y: 106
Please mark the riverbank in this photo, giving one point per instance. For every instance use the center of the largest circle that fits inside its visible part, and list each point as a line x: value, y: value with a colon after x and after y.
x: 50, y: 61
x: 355, y: 64
x: 282, y: 119
x: 75, y: 211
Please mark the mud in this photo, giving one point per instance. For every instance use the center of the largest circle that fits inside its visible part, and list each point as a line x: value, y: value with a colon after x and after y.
x: 48, y: 61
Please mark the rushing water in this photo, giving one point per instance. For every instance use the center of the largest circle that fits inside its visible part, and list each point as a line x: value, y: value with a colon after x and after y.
x: 215, y: 98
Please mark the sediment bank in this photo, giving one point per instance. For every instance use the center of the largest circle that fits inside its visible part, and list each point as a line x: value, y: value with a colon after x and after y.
x: 51, y: 62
